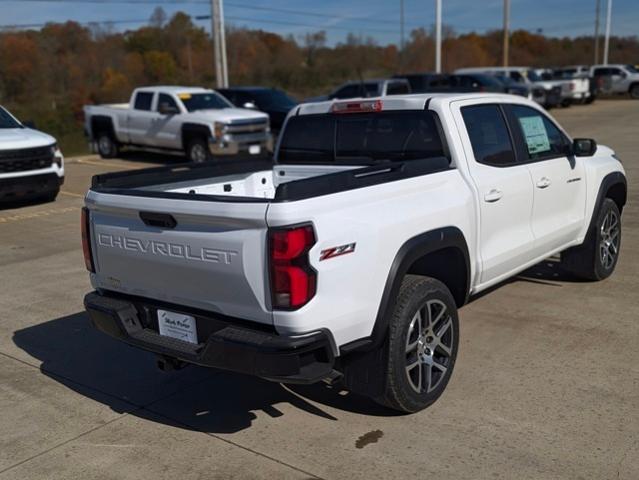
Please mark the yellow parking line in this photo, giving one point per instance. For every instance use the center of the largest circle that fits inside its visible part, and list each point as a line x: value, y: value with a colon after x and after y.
x: 71, y: 194
x: 104, y: 164
x: 42, y: 213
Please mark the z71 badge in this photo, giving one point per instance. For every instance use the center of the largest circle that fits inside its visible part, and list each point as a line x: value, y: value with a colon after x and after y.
x: 337, y: 251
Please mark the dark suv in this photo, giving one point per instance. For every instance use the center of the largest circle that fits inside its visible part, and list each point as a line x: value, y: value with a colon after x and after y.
x: 276, y: 103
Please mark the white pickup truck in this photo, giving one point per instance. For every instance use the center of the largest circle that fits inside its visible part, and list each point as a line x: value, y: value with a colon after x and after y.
x: 195, y: 121
x: 617, y: 78
x: 558, y: 92
x: 31, y: 164
x: 348, y: 258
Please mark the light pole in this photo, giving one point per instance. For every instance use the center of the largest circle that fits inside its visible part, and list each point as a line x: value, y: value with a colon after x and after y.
x: 598, y: 4
x: 219, y: 43
x: 607, y: 39
x: 438, y: 36
x: 506, y: 32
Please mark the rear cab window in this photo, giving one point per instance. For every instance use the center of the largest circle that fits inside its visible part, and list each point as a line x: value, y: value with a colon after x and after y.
x: 143, y: 101
x: 361, y: 138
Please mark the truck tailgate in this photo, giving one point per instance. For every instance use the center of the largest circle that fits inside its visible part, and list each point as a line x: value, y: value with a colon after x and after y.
x: 202, y: 254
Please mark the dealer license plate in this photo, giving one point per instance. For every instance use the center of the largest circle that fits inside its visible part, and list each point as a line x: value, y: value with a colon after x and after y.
x: 177, y: 325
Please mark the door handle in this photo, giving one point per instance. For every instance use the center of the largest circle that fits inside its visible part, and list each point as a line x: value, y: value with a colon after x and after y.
x: 544, y: 182
x: 493, y: 196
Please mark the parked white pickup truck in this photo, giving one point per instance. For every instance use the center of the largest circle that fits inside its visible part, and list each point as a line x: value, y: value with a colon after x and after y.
x: 31, y: 164
x: 563, y: 92
x: 195, y: 121
x: 349, y: 257
x: 614, y: 79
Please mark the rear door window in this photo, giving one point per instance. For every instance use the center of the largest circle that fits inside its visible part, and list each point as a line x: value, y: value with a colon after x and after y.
x: 143, y: 101
x: 349, y: 91
x: 489, y: 135
x: 361, y: 138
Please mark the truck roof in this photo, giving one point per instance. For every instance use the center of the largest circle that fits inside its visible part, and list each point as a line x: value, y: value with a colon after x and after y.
x: 173, y: 89
x: 416, y: 101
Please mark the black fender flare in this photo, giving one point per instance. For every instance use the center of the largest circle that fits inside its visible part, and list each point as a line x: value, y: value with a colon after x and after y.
x: 413, y: 249
x: 190, y: 130
x: 609, y: 181
x: 101, y: 123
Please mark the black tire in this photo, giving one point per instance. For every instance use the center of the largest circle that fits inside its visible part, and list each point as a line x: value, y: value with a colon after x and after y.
x: 597, y: 257
x: 405, y: 346
x: 566, y: 103
x: 591, y: 99
x: 107, y: 146
x: 197, y: 150
x: 634, y: 91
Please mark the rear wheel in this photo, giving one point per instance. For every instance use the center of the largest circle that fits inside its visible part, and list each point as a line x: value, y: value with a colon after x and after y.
x: 597, y: 257
x: 197, y: 151
x: 107, y: 147
x: 421, y: 346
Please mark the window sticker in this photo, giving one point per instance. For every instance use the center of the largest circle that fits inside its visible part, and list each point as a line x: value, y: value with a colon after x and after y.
x: 536, y: 134
x: 184, y: 96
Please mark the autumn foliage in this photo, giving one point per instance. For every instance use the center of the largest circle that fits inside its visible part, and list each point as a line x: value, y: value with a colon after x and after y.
x: 49, y: 74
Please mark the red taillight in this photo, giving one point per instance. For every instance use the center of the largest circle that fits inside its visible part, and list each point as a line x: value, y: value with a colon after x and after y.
x: 357, y: 107
x: 86, y: 240
x: 293, y: 280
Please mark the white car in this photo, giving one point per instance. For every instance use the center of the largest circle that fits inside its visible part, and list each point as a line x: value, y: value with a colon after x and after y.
x: 31, y: 164
x: 616, y: 78
x: 348, y: 259
x: 196, y: 122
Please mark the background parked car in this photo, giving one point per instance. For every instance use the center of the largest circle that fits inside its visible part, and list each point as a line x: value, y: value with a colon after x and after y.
x: 615, y: 79
x: 272, y: 101
x: 31, y: 164
x: 554, y: 93
x: 367, y: 88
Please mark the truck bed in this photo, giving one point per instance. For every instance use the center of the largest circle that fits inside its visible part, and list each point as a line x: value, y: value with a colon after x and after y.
x: 258, y: 180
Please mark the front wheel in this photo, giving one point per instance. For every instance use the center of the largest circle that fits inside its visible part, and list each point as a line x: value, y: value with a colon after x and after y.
x: 634, y: 92
x: 597, y: 257
x: 197, y: 151
x: 107, y: 147
x: 421, y: 346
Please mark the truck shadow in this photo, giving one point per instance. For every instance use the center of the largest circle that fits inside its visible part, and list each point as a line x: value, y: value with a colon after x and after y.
x: 126, y: 379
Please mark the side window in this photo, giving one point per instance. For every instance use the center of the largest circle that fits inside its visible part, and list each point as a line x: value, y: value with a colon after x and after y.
x: 167, y: 100
x: 517, y: 77
x: 489, y: 135
x: 349, y: 91
x: 614, y: 71
x: 397, y: 88
x: 601, y: 71
x: 541, y: 137
x: 143, y: 101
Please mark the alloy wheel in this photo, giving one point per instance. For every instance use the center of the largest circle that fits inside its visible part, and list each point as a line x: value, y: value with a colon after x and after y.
x: 609, y: 244
x: 429, y: 345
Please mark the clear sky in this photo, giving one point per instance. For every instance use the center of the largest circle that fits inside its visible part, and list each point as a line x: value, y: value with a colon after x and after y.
x: 376, y: 18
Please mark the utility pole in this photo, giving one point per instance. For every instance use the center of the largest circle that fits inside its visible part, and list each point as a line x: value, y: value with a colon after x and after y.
x: 219, y: 43
x: 598, y: 8
x: 607, y: 39
x: 438, y: 36
x: 401, y: 26
x: 506, y: 32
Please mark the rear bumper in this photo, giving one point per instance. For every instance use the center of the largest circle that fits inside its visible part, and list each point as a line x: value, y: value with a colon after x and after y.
x: 300, y: 359
x: 29, y: 186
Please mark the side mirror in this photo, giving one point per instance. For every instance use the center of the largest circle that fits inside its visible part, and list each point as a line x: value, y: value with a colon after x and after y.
x: 584, y: 147
x: 29, y: 124
x: 166, y: 109
x: 249, y: 105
